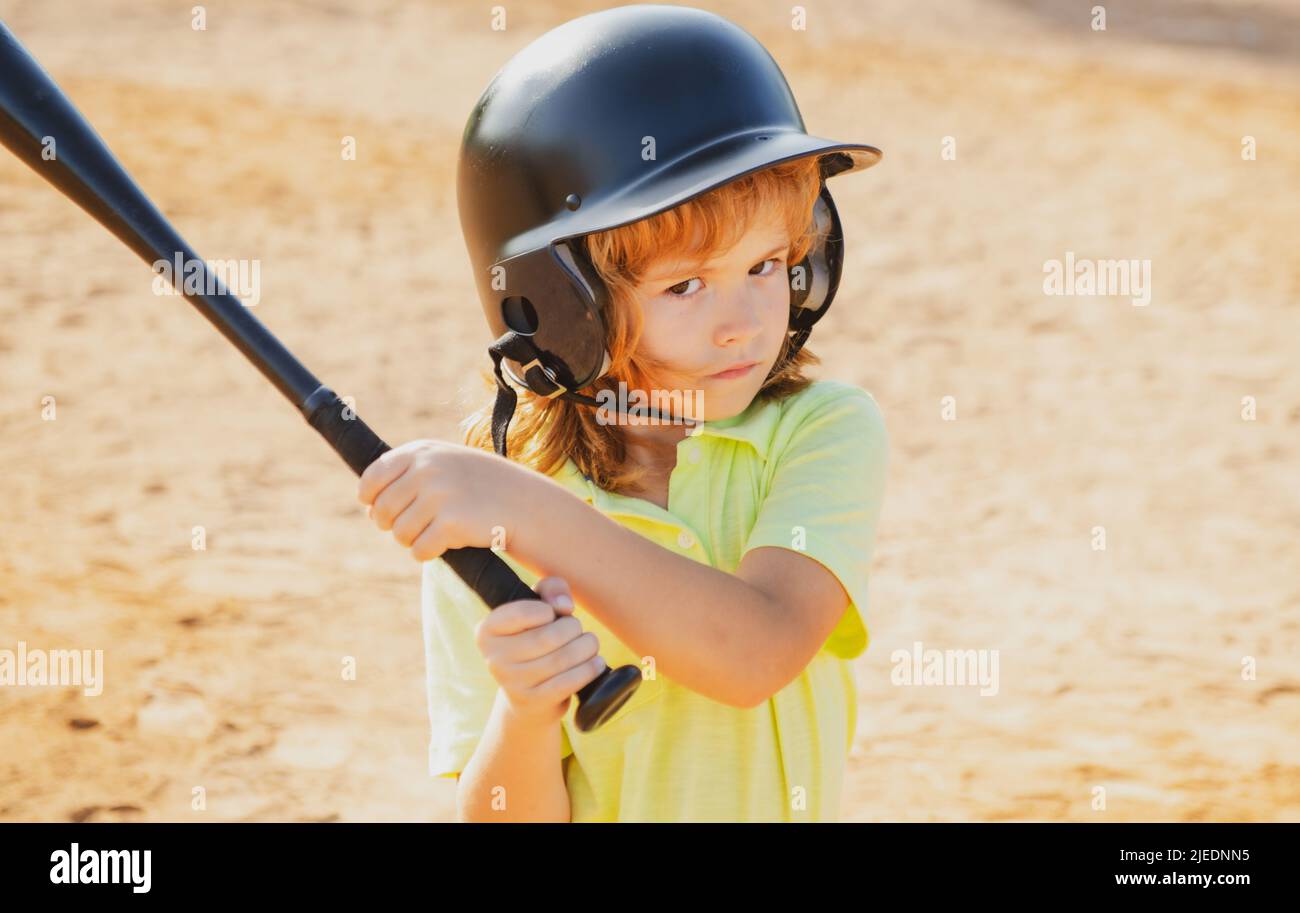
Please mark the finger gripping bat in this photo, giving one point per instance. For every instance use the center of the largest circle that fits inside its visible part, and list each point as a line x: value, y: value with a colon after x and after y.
x: 39, y: 124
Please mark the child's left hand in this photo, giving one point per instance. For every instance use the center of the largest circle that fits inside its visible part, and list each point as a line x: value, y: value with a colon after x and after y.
x: 435, y: 496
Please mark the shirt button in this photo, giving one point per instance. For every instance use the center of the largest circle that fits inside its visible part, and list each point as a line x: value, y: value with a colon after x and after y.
x: 685, y: 539
x: 693, y: 454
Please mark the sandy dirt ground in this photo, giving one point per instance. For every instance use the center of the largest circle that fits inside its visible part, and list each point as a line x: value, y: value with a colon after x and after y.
x: 1120, y: 670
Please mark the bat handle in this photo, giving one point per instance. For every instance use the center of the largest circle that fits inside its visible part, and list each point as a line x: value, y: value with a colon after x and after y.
x: 480, y: 568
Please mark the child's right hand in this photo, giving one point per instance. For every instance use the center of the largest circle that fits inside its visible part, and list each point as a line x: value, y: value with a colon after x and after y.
x: 538, y: 653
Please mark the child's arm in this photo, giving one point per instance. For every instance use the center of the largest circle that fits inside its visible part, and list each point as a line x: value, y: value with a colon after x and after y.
x: 521, y: 757
x: 737, y: 638
x: 540, y: 657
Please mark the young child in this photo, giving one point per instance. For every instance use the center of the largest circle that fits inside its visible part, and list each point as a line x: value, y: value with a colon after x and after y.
x: 728, y: 558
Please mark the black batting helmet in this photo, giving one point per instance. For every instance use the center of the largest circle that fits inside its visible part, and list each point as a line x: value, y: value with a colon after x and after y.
x: 556, y: 149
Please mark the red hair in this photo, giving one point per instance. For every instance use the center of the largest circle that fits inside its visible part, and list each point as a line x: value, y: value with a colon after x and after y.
x: 545, y: 431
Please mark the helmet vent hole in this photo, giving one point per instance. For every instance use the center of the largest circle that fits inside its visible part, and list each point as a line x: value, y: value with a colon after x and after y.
x: 519, y: 315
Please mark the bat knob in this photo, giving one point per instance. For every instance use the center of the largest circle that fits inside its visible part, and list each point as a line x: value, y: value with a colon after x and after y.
x: 602, y: 697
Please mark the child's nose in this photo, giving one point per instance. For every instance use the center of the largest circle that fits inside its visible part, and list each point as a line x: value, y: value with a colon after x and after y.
x: 741, y: 319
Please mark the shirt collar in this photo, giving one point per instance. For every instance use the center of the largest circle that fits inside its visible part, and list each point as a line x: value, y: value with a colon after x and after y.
x: 755, y: 426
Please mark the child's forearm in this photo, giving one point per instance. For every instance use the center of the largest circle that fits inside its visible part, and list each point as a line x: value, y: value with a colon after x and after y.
x: 705, y: 628
x: 516, y: 774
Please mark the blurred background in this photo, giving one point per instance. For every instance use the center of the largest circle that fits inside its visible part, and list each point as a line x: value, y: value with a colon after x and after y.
x: 1120, y: 669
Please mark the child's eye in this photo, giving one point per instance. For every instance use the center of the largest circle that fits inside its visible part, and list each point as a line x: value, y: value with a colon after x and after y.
x: 673, y: 290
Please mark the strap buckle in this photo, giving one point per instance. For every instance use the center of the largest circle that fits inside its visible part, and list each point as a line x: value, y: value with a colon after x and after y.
x: 559, y: 388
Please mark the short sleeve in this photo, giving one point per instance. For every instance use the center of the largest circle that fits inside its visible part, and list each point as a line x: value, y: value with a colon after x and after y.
x: 825, y: 497
x: 459, y: 687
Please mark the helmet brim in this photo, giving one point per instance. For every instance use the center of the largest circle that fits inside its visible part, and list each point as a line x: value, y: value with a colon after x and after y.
x: 670, y: 184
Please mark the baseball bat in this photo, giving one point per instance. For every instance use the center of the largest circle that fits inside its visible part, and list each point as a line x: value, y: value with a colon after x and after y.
x: 40, y: 125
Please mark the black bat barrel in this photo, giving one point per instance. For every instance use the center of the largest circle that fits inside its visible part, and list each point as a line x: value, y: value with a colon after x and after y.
x: 39, y: 124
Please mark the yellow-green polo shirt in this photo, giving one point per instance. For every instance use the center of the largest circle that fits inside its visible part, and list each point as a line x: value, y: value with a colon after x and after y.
x: 806, y: 473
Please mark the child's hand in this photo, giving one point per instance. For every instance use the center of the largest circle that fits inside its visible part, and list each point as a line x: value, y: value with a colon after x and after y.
x: 435, y: 496
x: 538, y: 652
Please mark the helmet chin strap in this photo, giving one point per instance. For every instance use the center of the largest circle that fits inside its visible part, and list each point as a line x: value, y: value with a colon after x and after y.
x: 540, y: 380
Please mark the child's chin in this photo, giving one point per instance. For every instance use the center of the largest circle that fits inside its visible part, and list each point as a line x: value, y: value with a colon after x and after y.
x: 726, y: 400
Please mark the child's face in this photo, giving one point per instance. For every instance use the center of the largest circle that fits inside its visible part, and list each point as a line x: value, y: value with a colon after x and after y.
x: 704, y: 319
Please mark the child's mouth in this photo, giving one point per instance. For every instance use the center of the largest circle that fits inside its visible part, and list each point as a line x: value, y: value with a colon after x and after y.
x: 731, y: 373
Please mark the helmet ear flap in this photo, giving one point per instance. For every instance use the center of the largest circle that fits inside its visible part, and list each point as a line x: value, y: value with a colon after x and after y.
x: 554, y: 298
x: 587, y: 280
x: 815, y: 278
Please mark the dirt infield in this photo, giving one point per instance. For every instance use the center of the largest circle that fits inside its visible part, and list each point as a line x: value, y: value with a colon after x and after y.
x: 1119, y: 669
